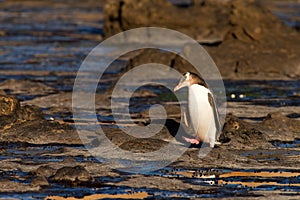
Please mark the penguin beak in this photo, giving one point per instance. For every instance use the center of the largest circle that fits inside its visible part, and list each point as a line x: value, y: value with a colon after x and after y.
x: 181, y: 84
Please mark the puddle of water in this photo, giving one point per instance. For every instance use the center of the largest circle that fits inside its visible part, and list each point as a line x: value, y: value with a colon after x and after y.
x: 254, y: 179
x: 284, y: 150
x: 272, y: 155
x: 288, y: 12
x: 224, y: 182
x: 38, y: 153
x: 287, y: 144
x: 269, y: 93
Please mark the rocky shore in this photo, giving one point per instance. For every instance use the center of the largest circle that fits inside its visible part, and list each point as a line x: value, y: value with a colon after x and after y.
x: 42, y: 155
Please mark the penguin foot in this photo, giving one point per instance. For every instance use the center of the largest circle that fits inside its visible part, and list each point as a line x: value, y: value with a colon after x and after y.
x: 192, y: 141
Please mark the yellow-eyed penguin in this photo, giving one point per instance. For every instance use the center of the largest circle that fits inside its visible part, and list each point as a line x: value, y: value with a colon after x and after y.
x: 202, y: 109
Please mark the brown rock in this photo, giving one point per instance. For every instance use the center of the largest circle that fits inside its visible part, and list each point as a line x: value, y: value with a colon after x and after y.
x: 244, y: 38
x: 27, y: 124
x: 8, y: 105
x: 26, y: 87
x: 123, y: 15
x: 14, y: 187
x: 141, y: 145
x: 40, y: 181
x: 45, y: 171
x: 280, y: 127
x: 72, y: 175
x: 2, y: 92
x: 208, y: 20
x: 30, y: 113
x: 151, y: 56
x: 40, y: 132
x: 9, y: 110
x: 162, y: 57
x: 242, y: 135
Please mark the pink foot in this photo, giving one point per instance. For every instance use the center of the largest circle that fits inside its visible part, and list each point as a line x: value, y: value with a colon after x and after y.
x: 192, y: 141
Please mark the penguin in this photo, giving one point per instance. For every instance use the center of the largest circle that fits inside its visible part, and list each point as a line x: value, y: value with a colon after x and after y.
x: 203, y: 113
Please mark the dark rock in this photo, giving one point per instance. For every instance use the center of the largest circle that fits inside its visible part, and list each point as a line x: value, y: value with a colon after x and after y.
x: 8, y: 186
x: 40, y: 181
x: 40, y: 132
x: 115, y: 135
x: 69, y: 161
x: 276, y: 120
x: 25, y: 87
x: 45, y: 171
x: 245, y: 39
x: 121, y: 15
x: 242, y: 135
x: 244, y: 20
x: 142, y: 145
x: 151, y: 56
x: 8, y: 111
x: 30, y: 113
x: 8, y: 105
x: 26, y: 124
x: 280, y: 127
x: 11, y: 112
x: 162, y: 57
x: 72, y: 175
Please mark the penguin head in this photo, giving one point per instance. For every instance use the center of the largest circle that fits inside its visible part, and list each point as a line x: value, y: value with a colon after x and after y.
x: 184, y: 81
x: 189, y: 79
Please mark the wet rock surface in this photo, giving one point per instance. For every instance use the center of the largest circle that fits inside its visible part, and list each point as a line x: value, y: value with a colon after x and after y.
x: 10, y: 186
x: 245, y: 144
x: 143, y: 145
x: 26, y: 124
x: 23, y: 87
x: 12, y: 113
x: 42, y: 155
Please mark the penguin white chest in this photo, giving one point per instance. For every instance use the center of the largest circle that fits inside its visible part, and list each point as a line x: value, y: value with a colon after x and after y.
x: 201, y: 113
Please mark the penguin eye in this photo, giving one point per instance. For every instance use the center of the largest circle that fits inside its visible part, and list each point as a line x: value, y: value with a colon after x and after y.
x: 187, y: 76
x: 183, y: 78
